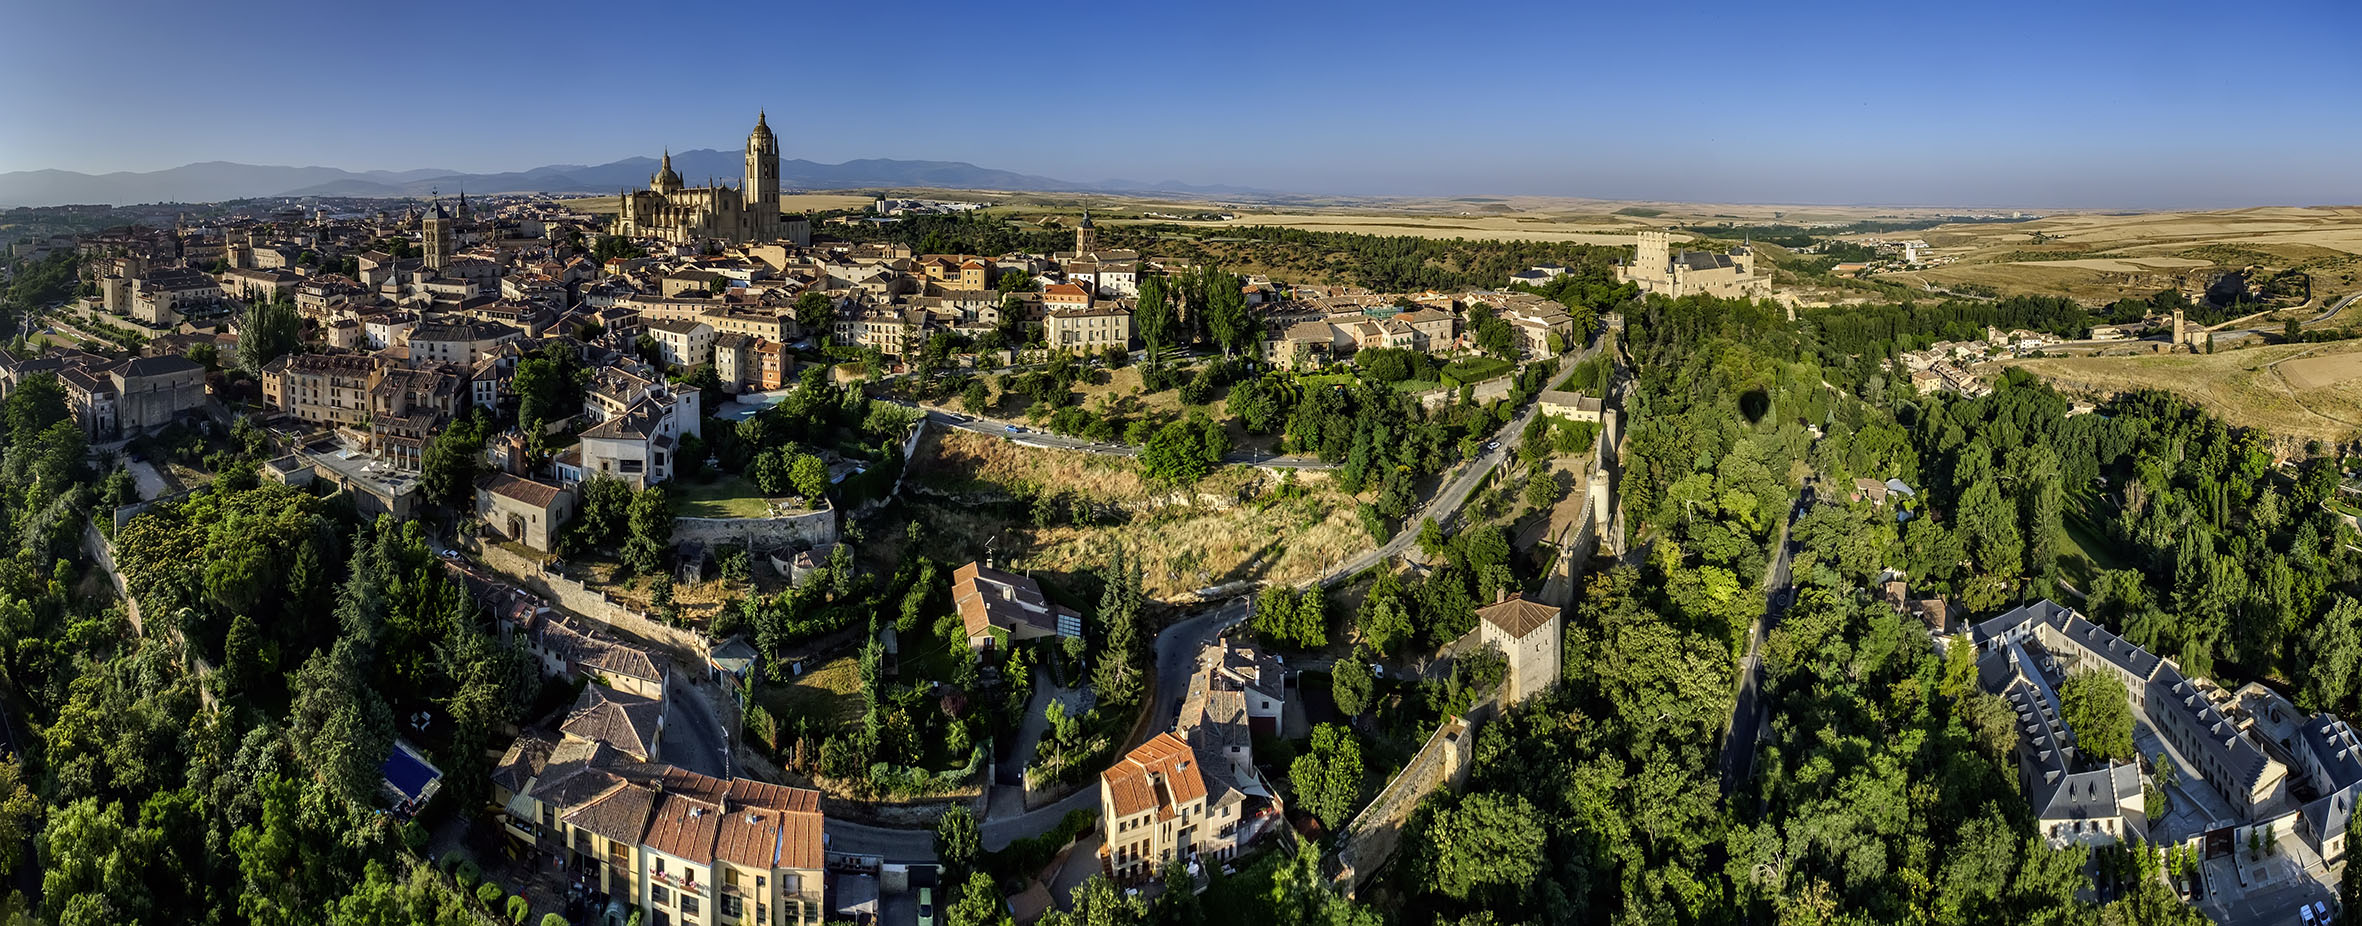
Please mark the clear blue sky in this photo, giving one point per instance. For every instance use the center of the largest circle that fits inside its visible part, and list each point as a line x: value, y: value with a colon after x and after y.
x: 2056, y: 103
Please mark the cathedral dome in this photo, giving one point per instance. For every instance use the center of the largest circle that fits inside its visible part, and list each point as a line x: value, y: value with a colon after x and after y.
x: 666, y: 179
x: 762, y: 130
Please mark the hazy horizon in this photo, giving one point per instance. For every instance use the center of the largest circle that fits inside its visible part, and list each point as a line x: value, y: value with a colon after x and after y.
x: 2008, y: 106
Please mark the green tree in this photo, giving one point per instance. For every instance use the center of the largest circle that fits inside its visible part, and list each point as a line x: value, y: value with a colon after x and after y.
x: 1328, y: 776
x: 1352, y: 685
x: 958, y: 842
x: 1484, y: 841
x: 648, y: 530
x: 2093, y: 704
x: 20, y: 812
x: 453, y: 460
x: 817, y: 315
x: 809, y: 476
x: 268, y: 329
x: 1183, y: 452
x: 976, y: 399
x: 978, y: 904
x: 1152, y: 316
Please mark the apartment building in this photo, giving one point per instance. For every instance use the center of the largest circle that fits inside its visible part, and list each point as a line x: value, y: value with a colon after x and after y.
x: 462, y: 344
x: 325, y: 388
x: 2187, y: 712
x: 682, y: 344
x: 1088, y: 330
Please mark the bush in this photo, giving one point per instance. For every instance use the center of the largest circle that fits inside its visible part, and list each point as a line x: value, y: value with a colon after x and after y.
x: 490, y: 894
x: 518, y: 910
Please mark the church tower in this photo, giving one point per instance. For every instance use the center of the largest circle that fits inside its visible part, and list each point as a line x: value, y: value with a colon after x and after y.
x: 762, y: 181
x: 1086, y: 238
x: 437, y: 231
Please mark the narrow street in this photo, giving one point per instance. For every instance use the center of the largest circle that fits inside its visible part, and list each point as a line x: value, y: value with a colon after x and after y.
x: 1747, y: 710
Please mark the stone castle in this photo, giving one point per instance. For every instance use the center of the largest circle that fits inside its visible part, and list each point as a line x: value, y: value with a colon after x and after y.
x: 1656, y: 268
x: 673, y: 212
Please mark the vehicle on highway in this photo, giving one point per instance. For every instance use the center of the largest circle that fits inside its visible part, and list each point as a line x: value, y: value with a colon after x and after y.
x: 1013, y: 429
x: 926, y: 906
x: 1492, y: 445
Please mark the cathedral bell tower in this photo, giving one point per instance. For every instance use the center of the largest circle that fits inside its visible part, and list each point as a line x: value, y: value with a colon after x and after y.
x: 762, y: 180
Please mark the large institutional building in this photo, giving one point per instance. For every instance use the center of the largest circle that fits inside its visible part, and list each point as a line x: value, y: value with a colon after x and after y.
x: 1656, y: 268
x: 673, y: 212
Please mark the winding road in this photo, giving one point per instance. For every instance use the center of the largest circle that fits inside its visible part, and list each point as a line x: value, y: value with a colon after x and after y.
x: 2326, y: 314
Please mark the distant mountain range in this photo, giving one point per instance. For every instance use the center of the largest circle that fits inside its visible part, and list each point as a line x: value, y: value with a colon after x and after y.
x: 214, y: 181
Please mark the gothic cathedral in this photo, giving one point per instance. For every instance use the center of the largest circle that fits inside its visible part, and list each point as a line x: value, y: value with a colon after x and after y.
x: 682, y: 215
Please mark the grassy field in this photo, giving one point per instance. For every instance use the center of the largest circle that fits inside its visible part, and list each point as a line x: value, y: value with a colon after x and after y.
x: 727, y: 497
x: 788, y: 202
x: 1469, y: 370
x: 2249, y: 388
x: 1239, y: 523
x: 829, y: 694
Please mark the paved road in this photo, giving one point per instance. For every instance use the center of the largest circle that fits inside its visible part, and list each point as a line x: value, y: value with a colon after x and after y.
x: 1444, y: 504
x: 1747, y: 710
x: 894, y: 844
x: 693, y: 734
x: 2326, y: 314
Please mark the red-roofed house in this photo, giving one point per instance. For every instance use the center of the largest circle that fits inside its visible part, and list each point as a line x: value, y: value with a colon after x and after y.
x: 999, y: 608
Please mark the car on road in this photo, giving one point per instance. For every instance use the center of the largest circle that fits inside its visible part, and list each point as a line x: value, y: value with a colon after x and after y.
x: 1492, y: 445
x: 2304, y: 913
x: 1013, y: 429
x: 926, y: 906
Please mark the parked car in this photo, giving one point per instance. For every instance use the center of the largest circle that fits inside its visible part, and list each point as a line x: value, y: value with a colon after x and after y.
x: 926, y: 906
x: 2304, y: 914
x: 1013, y: 429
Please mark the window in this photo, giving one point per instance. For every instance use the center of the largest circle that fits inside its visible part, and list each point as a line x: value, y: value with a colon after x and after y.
x: 731, y: 905
x: 688, y: 904
x: 730, y: 876
x: 659, y: 866
x: 661, y: 895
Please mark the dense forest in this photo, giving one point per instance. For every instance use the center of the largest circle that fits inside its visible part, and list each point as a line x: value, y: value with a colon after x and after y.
x: 157, y: 790
x: 1885, y: 793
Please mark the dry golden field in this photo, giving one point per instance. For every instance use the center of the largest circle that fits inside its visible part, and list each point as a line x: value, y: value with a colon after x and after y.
x: 2105, y: 256
x: 2300, y: 391
x: 1239, y: 523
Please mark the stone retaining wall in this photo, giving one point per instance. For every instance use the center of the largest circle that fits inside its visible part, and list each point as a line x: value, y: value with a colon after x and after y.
x: 804, y: 529
x: 592, y: 603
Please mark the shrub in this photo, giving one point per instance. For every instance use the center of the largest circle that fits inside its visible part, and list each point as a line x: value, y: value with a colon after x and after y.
x: 490, y: 894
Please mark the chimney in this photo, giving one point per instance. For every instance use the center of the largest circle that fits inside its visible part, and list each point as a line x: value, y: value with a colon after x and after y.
x: 1500, y: 596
